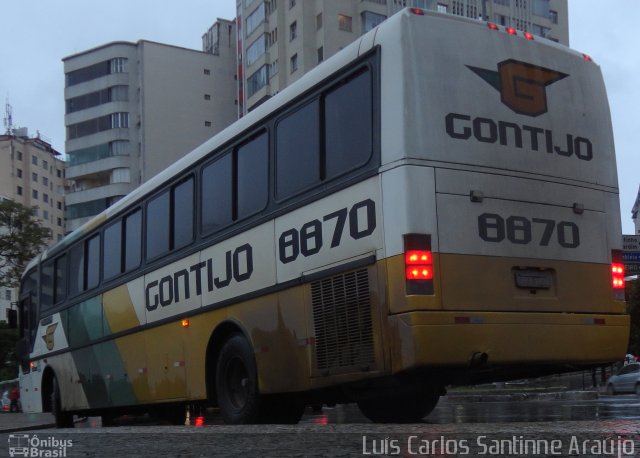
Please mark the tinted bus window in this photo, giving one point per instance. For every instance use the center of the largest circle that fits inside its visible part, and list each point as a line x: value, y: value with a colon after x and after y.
x: 348, y: 125
x: 217, y: 194
x: 183, y: 214
x: 111, y: 261
x: 157, y: 233
x: 60, y: 279
x: 253, y: 176
x: 298, y: 150
x: 76, y: 269
x: 92, y: 262
x: 133, y: 241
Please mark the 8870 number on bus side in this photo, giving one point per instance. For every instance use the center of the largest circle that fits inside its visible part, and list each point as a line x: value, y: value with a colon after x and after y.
x: 356, y: 222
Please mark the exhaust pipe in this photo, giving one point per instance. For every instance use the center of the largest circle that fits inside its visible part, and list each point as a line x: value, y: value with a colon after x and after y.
x: 478, y: 359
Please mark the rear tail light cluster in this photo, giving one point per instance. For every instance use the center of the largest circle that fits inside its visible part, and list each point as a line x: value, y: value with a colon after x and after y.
x: 617, y: 270
x: 418, y: 264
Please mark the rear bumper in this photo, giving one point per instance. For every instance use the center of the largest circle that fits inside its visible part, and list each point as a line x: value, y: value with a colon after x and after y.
x: 423, y: 339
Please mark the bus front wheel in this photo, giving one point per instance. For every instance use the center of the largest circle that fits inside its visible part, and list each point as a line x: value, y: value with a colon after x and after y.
x: 63, y: 419
x: 399, y: 408
x: 237, y: 382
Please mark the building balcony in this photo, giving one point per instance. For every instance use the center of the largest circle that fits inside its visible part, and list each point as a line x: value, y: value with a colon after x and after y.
x: 99, y: 192
x: 94, y: 167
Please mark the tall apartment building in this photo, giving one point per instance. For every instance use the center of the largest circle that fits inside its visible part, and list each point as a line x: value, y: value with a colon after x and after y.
x: 32, y: 174
x: 132, y: 109
x: 280, y: 40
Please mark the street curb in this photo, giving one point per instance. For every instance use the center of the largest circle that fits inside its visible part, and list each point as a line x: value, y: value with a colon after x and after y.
x: 27, y: 428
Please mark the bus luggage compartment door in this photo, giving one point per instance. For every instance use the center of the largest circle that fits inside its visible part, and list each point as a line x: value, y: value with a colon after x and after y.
x: 516, y: 244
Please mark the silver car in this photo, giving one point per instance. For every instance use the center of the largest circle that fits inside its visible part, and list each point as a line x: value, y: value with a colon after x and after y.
x: 627, y: 380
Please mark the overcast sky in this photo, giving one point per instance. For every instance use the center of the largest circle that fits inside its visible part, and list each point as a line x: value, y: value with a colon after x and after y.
x: 36, y: 34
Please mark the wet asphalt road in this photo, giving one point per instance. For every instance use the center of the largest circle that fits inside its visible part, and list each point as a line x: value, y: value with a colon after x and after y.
x: 608, y: 426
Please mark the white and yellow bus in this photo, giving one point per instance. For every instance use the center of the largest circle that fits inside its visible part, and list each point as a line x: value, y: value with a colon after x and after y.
x: 436, y: 204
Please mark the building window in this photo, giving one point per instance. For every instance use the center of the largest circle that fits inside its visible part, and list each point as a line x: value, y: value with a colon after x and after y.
x: 119, y: 65
x: 45, y: 198
x: 207, y: 123
x: 371, y: 20
x: 345, y: 23
x: 207, y: 71
x: 34, y: 193
x: 270, y: 6
x: 319, y: 21
x: 45, y: 165
x: 93, y: 99
x: 34, y: 160
x: 294, y: 63
x: 59, y: 173
x: 553, y: 16
x: 45, y: 215
x: 442, y: 8
x: 19, y: 173
x: 255, y: 19
x: 19, y: 190
x: 256, y: 49
x: 273, y: 37
x: 59, y: 205
x: 95, y: 125
x: 320, y: 54
x: 45, y: 181
x: 273, y: 68
x: 7, y: 294
x: 292, y: 3
x: 207, y: 96
x: 59, y: 221
x: 34, y: 176
x: 502, y: 20
x: 293, y: 30
x: 19, y: 153
x: 257, y: 81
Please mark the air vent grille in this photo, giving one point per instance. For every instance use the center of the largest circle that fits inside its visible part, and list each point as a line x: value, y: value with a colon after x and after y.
x: 342, y: 321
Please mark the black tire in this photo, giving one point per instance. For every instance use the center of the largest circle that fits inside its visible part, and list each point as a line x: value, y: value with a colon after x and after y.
x: 108, y: 420
x: 399, y: 408
x: 610, y: 390
x: 237, y: 382
x: 63, y: 419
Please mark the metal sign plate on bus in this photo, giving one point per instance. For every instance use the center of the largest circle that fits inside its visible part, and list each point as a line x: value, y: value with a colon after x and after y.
x: 533, y: 279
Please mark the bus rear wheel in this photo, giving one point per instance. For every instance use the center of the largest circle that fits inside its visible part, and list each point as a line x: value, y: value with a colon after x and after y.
x: 237, y: 382
x: 399, y: 408
x: 63, y: 419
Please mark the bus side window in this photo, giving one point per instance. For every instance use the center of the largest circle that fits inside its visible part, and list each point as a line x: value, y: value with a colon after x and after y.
x: 133, y: 240
x: 298, y: 150
x: 216, y: 189
x: 252, y: 176
x: 348, y: 120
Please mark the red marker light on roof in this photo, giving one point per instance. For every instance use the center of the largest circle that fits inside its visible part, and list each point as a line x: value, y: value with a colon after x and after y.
x: 417, y: 11
x: 492, y: 26
x: 511, y: 31
x: 528, y: 36
x: 587, y: 58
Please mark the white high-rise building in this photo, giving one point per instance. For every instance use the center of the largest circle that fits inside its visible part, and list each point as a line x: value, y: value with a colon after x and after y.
x: 132, y: 109
x: 280, y: 40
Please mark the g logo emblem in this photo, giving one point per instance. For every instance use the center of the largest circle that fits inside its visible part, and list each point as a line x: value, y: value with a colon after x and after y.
x: 522, y: 86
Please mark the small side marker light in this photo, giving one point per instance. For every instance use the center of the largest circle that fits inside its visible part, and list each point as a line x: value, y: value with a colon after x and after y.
x: 528, y: 36
x: 417, y: 11
x: 492, y: 26
x: 587, y: 58
x: 185, y: 323
x: 511, y: 31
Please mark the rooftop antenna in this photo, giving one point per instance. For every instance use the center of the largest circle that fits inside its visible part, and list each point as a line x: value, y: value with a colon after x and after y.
x: 8, y: 119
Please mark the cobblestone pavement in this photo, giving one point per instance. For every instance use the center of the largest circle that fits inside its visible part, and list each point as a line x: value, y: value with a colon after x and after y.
x: 614, y: 438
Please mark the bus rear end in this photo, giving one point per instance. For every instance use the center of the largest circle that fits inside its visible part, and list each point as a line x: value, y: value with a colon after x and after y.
x: 500, y: 201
